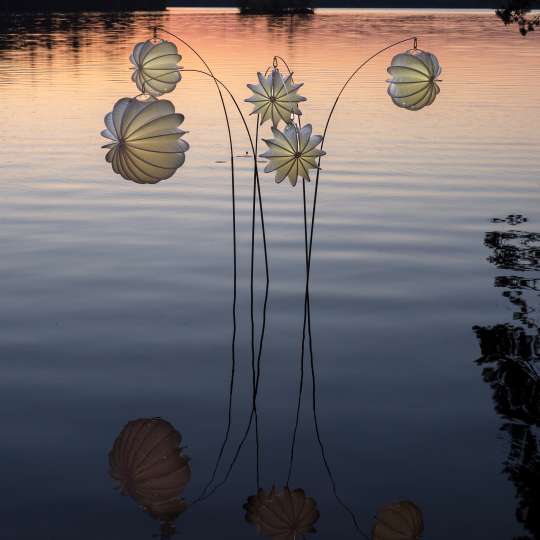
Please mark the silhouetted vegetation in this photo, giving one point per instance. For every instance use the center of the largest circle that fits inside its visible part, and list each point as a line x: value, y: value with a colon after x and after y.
x: 510, y: 355
x: 275, y: 7
x: 44, y: 6
x: 33, y: 31
x: 517, y: 12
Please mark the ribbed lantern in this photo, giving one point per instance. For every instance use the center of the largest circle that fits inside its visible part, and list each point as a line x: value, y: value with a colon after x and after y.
x: 148, y: 463
x: 147, y: 146
x: 399, y: 521
x: 275, y: 97
x: 155, y: 66
x: 292, y: 152
x: 413, y: 85
x: 282, y: 515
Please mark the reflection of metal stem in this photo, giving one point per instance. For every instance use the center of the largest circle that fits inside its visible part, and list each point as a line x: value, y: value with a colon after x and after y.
x: 254, y: 371
x: 301, y: 382
x: 324, y: 139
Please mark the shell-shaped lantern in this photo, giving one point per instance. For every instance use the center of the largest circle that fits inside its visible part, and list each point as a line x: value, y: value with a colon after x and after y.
x: 156, y: 69
x: 147, y: 144
x: 399, y: 521
x: 282, y: 515
x: 147, y: 462
x: 413, y: 85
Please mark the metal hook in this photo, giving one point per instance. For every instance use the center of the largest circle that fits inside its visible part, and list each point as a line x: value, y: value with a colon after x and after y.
x: 275, y: 62
x: 415, y: 44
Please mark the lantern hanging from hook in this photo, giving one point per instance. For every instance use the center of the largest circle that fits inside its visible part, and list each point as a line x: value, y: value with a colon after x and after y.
x: 414, y: 76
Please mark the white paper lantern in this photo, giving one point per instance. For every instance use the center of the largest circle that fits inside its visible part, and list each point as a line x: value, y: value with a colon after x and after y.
x: 413, y: 85
x: 292, y: 153
x: 156, y: 67
x: 147, y: 146
x: 275, y: 97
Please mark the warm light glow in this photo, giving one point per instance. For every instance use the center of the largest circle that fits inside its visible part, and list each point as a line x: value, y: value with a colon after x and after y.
x: 147, y: 145
x: 413, y: 84
x: 156, y: 67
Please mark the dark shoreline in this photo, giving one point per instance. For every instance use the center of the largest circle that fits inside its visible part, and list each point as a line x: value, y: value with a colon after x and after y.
x: 367, y: 4
x: 34, y: 6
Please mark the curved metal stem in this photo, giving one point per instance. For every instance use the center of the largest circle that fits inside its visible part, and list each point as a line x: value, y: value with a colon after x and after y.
x: 254, y: 371
x: 235, y: 265
x: 257, y: 188
x: 307, y: 308
x: 414, y: 39
x: 207, y: 494
x: 276, y: 57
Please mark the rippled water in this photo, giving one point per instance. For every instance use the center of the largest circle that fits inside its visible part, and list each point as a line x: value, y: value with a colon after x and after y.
x: 117, y: 298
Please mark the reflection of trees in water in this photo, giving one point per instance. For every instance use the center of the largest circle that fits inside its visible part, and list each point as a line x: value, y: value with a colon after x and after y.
x: 514, y: 250
x: 276, y: 7
x: 23, y: 31
x: 510, y: 356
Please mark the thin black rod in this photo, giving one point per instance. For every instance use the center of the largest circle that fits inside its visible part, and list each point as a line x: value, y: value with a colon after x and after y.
x: 235, y: 263
x: 313, y: 212
x: 285, y: 63
x: 275, y: 65
x: 259, y: 356
x: 231, y: 95
x: 265, y: 304
x: 301, y: 382
x: 257, y: 188
x: 307, y: 305
x: 316, y: 421
x: 252, y: 309
x: 351, y: 77
x: 252, y: 415
x: 206, y: 495
x: 256, y: 168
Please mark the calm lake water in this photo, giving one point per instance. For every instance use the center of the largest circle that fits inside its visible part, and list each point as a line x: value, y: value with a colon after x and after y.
x: 117, y: 297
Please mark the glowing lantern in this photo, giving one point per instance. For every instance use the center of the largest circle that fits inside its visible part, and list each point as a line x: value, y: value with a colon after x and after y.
x: 156, y: 70
x: 147, y: 146
x: 399, y: 521
x: 292, y: 152
x: 275, y: 97
x: 414, y: 79
x: 148, y: 463
x: 282, y: 515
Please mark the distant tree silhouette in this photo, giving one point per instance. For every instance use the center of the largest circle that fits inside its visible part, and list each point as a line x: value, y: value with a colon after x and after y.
x: 32, y: 31
x: 275, y: 7
x: 517, y: 12
x: 44, y: 6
